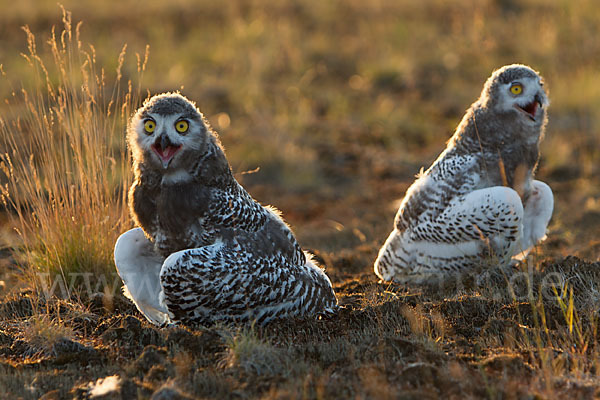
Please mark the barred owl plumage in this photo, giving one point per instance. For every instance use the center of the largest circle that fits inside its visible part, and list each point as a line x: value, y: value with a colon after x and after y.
x: 206, y: 250
x: 478, y: 203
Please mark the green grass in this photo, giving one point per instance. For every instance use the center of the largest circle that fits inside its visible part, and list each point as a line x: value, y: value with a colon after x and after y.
x: 333, y: 107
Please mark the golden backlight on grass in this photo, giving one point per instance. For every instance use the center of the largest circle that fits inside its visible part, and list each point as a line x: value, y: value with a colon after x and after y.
x: 66, y: 161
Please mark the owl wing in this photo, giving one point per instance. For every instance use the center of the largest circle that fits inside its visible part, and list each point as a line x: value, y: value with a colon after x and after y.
x: 235, y: 215
x: 483, y: 224
x: 234, y: 283
x: 139, y: 267
x: 235, y: 208
x: 191, y: 215
x: 447, y: 222
x: 449, y: 177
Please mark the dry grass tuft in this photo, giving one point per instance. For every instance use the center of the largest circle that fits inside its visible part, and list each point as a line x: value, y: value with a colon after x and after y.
x: 65, y: 161
x: 254, y: 356
x: 42, y: 333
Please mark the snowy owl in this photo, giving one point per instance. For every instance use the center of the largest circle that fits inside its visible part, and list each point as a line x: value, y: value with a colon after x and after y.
x: 206, y: 251
x: 478, y: 204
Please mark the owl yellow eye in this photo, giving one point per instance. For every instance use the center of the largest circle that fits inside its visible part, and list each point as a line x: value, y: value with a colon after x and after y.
x: 181, y: 126
x: 149, y: 126
x: 516, y: 89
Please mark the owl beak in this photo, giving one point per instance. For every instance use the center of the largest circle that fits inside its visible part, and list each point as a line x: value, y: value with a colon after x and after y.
x: 530, y: 110
x: 165, y: 149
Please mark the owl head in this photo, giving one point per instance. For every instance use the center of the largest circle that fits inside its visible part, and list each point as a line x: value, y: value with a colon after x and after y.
x: 166, y: 131
x: 516, y: 92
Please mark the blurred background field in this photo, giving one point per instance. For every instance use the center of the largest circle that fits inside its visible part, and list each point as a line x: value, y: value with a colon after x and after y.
x: 339, y: 104
x: 327, y: 109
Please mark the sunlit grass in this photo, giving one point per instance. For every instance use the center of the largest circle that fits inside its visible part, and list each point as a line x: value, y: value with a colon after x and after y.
x: 255, y: 356
x: 64, y: 159
x: 559, y: 332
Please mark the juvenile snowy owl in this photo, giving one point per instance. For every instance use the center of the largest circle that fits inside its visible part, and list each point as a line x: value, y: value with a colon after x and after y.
x: 478, y: 203
x: 206, y: 250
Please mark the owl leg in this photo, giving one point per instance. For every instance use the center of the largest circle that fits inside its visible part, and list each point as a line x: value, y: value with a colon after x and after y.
x: 479, y: 228
x: 537, y: 213
x: 139, y: 267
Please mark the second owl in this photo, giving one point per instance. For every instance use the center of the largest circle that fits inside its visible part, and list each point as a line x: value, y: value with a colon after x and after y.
x: 478, y: 204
